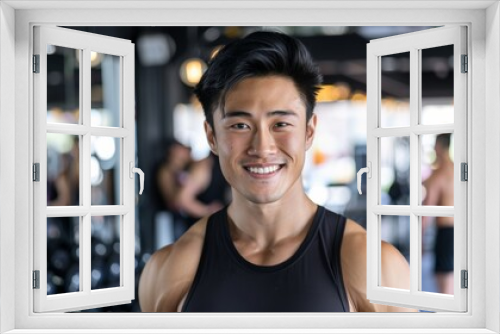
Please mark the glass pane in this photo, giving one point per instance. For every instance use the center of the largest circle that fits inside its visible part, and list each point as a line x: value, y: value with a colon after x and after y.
x: 105, y: 252
x: 105, y: 170
x: 63, y: 255
x: 395, y: 230
x: 395, y: 94
x: 63, y: 85
x: 105, y: 91
x: 437, y: 85
x: 437, y: 254
x: 437, y: 169
x: 395, y: 170
x: 63, y: 174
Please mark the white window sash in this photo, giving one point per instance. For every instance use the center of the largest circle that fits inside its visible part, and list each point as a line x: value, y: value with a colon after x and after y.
x: 412, y: 43
x: 86, y: 298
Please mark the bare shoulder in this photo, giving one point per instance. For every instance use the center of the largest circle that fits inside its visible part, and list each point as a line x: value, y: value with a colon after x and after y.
x: 353, y: 260
x: 395, y: 270
x: 354, y: 247
x: 170, y: 271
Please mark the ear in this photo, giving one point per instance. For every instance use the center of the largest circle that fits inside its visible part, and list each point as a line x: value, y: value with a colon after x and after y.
x: 212, y: 141
x: 311, y: 130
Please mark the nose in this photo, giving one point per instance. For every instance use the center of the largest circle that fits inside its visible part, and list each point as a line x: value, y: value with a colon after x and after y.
x: 263, y: 144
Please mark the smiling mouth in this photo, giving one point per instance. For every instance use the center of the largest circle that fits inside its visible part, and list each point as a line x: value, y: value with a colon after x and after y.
x: 264, y: 170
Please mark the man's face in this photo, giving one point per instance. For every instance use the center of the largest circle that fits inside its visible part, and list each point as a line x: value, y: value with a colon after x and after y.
x: 261, y: 139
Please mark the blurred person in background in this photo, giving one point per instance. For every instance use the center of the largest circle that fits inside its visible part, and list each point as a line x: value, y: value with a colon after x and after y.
x: 439, y: 191
x: 272, y: 249
x: 190, y: 189
x: 204, y: 190
x: 173, y: 171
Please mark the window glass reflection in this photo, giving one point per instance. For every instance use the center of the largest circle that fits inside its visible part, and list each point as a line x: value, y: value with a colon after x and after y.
x: 437, y: 254
x: 437, y: 104
x: 395, y: 90
x: 395, y: 170
x: 105, y: 170
x: 437, y: 170
x: 395, y: 230
x: 105, y: 246
x: 63, y: 170
x: 63, y: 255
x: 105, y: 90
x: 63, y: 85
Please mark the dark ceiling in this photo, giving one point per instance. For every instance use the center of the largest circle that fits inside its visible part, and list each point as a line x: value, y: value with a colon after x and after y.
x: 339, y: 51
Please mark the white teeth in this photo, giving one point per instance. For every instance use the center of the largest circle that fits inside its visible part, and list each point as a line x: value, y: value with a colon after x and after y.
x: 265, y: 170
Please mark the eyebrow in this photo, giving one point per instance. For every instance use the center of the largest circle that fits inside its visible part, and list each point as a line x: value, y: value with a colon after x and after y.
x: 246, y: 114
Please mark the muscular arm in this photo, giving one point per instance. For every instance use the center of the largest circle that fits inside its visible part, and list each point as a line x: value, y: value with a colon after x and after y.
x: 395, y: 271
x: 432, y: 187
x: 169, y: 273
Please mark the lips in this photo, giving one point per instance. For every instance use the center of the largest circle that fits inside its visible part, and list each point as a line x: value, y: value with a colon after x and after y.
x: 263, y: 170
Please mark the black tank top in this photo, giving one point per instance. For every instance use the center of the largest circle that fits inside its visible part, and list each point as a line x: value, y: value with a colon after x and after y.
x: 309, y: 281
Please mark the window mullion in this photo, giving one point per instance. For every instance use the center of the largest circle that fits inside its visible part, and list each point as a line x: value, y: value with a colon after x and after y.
x: 391, y: 210
x: 415, y: 103
x: 68, y: 129
x: 85, y: 237
x: 433, y: 129
x: 108, y: 210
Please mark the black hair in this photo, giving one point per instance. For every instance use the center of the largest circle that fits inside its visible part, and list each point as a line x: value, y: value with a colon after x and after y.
x: 444, y: 140
x: 259, y: 54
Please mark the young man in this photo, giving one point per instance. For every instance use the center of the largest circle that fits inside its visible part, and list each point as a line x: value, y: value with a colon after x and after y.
x: 272, y: 249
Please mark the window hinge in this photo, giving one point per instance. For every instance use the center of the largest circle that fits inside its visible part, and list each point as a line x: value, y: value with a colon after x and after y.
x: 36, y: 63
x: 465, y: 279
x: 36, y: 279
x: 465, y: 64
x: 36, y: 172
x: 465, y: 171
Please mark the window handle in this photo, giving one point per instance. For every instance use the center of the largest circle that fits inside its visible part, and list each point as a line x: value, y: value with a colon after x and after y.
x: 137, y: 171
x: 368, y: 171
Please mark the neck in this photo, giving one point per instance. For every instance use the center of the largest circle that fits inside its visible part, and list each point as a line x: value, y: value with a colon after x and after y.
x: 269, y: 223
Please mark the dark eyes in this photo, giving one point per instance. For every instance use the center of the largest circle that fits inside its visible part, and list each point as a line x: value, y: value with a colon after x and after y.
x: 281, y: 124
x: 243, y: 126
x: 240, y: 126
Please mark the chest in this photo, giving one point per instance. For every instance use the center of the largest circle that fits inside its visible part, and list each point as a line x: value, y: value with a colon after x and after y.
x: 304, y: 283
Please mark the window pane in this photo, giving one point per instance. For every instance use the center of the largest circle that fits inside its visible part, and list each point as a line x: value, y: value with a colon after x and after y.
x: 63, y: 255
x: 63, y: 85
x: 105, y: 252
x: 437, y: 254
x: 63, y: 175
x: 396, y: 231
x: 395, y: 94
x: 437, y: 169
x: 437, y: 85
x: 395, y: 170
x: 105, y: 170
x: 105, y: 91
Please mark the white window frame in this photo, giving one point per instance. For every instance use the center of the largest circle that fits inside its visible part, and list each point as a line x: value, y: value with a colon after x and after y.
x: 16, y: 21
x: 413, y: 43
x: 85, y: 43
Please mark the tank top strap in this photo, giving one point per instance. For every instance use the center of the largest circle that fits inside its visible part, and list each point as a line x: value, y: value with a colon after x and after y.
x: 334, y: 226
x: 332, y: 232
x: 210, y: 250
